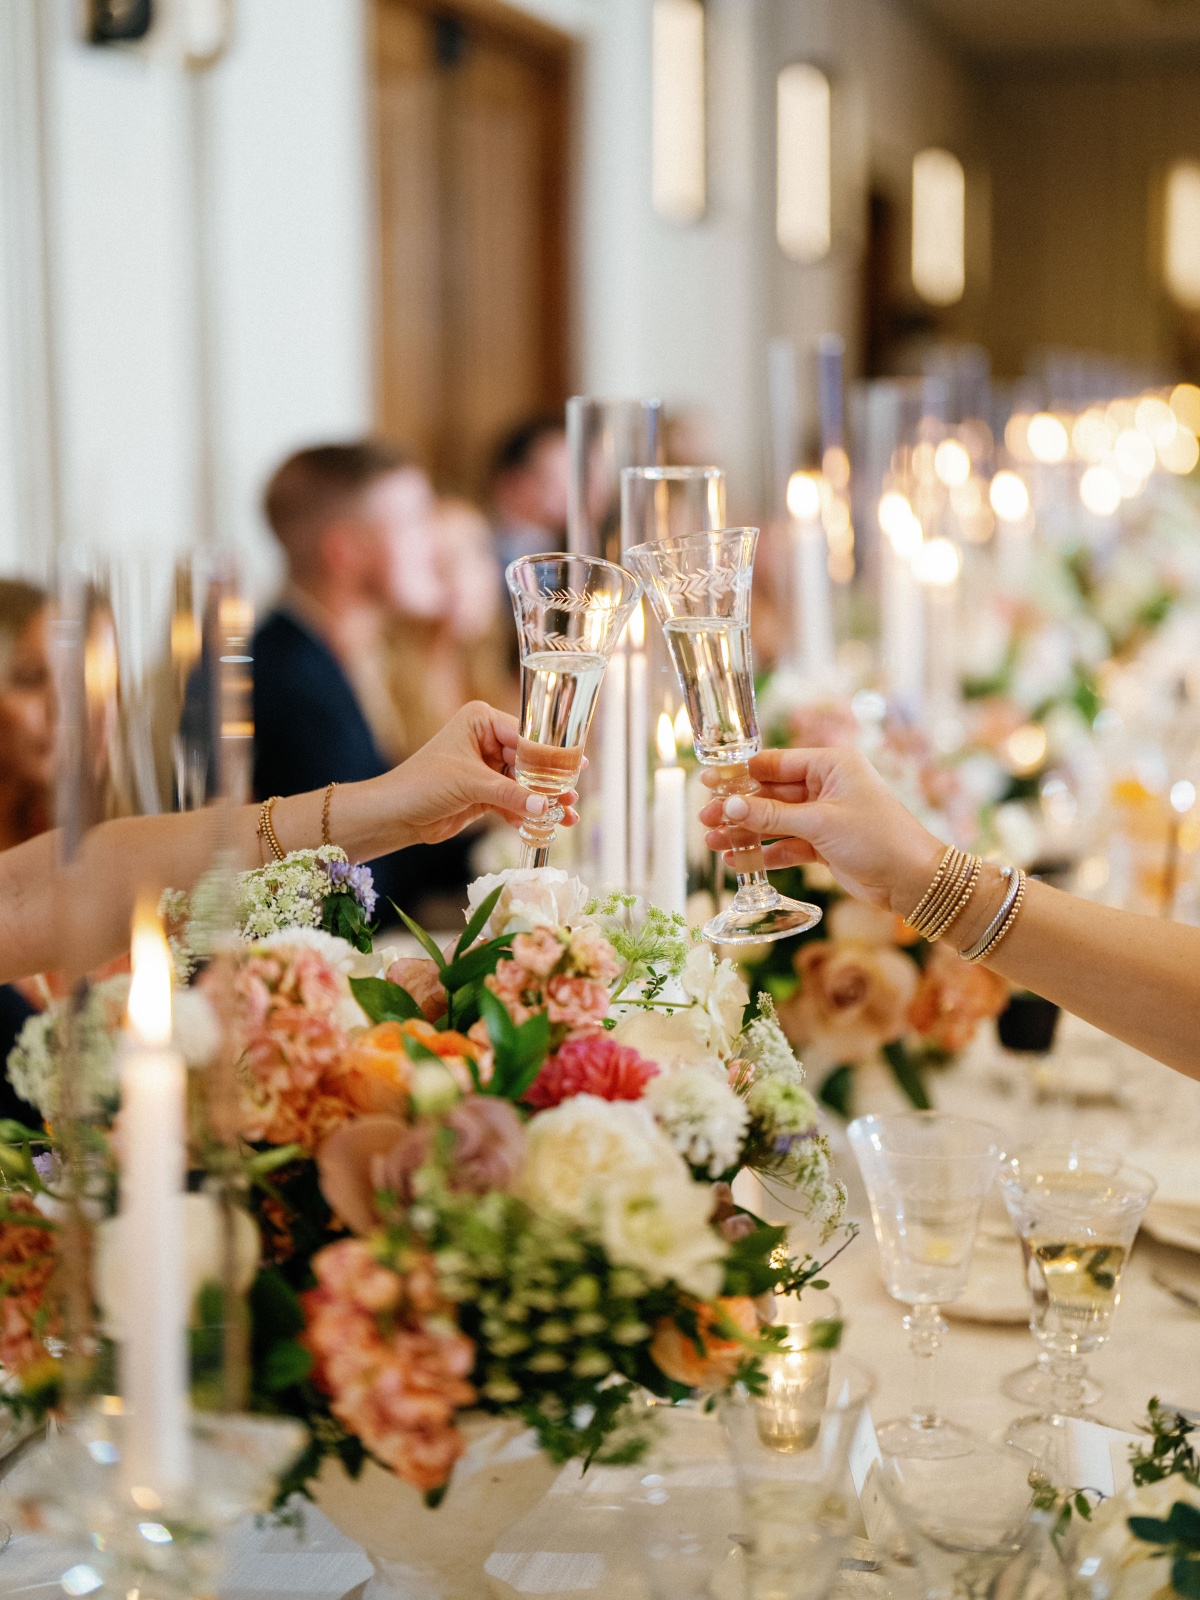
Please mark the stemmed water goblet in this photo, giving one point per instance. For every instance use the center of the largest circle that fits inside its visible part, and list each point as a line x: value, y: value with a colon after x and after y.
x: 926, y: 1174
x: 570, y: 612
x: 699, y: 586
x: 1076, y: 1211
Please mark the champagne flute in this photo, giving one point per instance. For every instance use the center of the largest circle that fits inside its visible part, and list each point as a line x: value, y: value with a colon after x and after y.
x: 699, y: 586
x: 570, y: 613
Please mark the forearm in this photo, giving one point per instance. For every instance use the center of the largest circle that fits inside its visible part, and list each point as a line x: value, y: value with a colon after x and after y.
x: 1135, y: 977
x: 79, y: 916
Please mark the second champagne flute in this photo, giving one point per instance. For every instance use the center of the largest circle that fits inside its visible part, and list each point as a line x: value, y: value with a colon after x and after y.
x: 699, y: 586
x: 570, y: 612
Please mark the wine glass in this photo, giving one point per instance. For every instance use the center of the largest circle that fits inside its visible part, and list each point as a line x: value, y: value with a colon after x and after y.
x: 570, y: 613
x: 1076, y: 1211
x: 926, y: 1174
x: 699, y: 586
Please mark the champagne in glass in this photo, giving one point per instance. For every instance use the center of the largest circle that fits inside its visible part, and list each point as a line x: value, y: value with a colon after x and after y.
x: 570, y: 612
x: 699, y: 586
x: 558, y: 696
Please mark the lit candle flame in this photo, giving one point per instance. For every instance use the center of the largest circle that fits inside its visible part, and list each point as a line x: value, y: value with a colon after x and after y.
x: 637, y: 627
x: 666, y: 741
x: 150, y: 992
x: 804, y: 496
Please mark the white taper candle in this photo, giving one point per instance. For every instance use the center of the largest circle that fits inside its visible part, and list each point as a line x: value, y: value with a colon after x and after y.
x: 670, y: 825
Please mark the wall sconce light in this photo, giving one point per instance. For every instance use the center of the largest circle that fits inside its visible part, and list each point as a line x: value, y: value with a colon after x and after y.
x: 1181, y: 244
x: 678, y: 182
x: 803, y: 223
x: 939, y: 211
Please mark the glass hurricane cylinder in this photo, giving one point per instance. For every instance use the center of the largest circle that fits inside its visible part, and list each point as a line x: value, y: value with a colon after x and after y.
x: 926, y: 1175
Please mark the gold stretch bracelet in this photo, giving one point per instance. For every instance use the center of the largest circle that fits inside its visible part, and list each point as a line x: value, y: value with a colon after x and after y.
x: 325, y: 839
x: 1001, y: 924
x: 947, y: 896
x: 266, y: 828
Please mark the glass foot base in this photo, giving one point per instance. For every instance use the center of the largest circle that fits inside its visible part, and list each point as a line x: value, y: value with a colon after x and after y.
x: 938, y: 1440
x: 758, y: 923
x: 1033, y: 1386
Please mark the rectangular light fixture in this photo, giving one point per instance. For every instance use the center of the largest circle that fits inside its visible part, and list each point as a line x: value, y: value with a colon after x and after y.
x: 939, y: 215
x: 803, y: 185
x: 678, y: 181
x: 1181, y: 245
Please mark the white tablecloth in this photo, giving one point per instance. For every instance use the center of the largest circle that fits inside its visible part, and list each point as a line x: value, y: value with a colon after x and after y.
x: 1154, y: 1349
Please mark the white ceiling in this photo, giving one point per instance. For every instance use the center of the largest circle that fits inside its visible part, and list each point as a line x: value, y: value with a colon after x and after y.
x: 1007, y: 27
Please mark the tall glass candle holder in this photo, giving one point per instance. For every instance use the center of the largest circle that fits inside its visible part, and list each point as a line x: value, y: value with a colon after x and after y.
x: 699, y: 587
x: 570, y: 613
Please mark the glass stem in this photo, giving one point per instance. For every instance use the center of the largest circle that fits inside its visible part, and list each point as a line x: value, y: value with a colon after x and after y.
x: 537, y: 835
x: 533, y: 855
x: 1067, y: 1372
x: 925, y: 1329
x: 745, y: 854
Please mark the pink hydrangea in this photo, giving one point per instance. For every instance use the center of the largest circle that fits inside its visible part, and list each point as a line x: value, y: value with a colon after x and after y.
x: 597, y: 1065
x: 392, y: 1360
x: 577, y: 1003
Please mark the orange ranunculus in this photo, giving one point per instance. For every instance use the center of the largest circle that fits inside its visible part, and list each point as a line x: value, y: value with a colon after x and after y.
x: 674, y: 1352
x: 376, y: 1070
x: 953, y: 997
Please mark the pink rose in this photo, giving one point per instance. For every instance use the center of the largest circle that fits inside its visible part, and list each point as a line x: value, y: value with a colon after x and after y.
x: 577, y: 1002
x: 538, y: 952
x: 595, y: 1064
x: 489, y: 1144
x: 423, y: 982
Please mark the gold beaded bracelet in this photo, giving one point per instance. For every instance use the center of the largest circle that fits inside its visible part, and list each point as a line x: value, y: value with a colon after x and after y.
x: 266, y: 828
x: 325, y: 839
x: 946, y: 898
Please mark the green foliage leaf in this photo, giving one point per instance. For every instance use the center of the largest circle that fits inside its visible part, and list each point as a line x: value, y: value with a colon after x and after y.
x: 519, y: 1051
x: 383, y: 1000
x: 837, y: 1091
x: 1151, y: 1530
x: 274, y: 1307
x: 825, y: 1334
x: 342, y: 916
x: 907, y: 1075
x: 425, y: 940
x: 476, y: 964
x: 286, y: 1363
x: 478, y: 920
x: 748, y: 1267
x: 1185, y: 1577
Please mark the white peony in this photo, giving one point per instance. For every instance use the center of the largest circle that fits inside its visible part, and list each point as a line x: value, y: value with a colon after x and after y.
x: 718, y: 987
x: 701, y: 1115
x: 657, y: 1221
x: 202, y: 1228
x: 338, y: 953
x: 1107, y: 1552
x: 531, y: 897
x: 580, y: 1147
x: 668, y: 1038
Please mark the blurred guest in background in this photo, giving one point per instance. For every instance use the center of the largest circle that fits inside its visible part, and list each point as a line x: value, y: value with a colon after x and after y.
x: 445, y: 642
x: 529, y: 490
x: 354, y: 521
x: 28, y: 727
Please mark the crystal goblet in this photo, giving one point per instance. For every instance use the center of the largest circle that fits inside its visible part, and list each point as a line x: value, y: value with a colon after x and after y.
x: 699, y: 586
x: 926, y: 1174
x: 570, y: 613
x: 1076, y: 1210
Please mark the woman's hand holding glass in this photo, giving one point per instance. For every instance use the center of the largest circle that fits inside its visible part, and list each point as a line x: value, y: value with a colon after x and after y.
x: 830, y: 805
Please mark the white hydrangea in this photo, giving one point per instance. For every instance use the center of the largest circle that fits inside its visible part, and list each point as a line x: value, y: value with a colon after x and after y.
x: 701, y: 1115
x: 716, y: 987
x: 766, y: 1046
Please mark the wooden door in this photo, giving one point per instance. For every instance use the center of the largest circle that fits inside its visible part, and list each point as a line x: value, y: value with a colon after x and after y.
x: 472, y: 131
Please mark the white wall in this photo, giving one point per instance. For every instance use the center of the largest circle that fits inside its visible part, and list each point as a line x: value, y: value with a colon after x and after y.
x: 287, y: 142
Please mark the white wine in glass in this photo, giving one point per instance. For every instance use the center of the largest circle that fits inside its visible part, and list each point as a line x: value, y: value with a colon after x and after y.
x: 558, y: 695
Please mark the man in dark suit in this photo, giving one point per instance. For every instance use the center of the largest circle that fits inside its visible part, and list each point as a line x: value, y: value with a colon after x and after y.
x: 352, y: 519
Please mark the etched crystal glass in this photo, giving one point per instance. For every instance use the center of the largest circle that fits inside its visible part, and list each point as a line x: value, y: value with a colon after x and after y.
x: 699, y: 586
x: 570, y: 613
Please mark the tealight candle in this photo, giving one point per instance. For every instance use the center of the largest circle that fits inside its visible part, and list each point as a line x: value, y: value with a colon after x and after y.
x: 789, y: 1411
x: 153, y: 1359
x: 670, y: 825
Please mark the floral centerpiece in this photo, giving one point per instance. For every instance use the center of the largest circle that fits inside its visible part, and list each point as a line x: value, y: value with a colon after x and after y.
x: 496, y: 1178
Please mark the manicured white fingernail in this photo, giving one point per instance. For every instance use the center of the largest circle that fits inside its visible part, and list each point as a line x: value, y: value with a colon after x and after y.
x: 536, y: 804
x: 735, y: 808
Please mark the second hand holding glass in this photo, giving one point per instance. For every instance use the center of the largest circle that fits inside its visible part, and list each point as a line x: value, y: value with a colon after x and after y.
x: 699, y: 586
x: 570, y: 612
